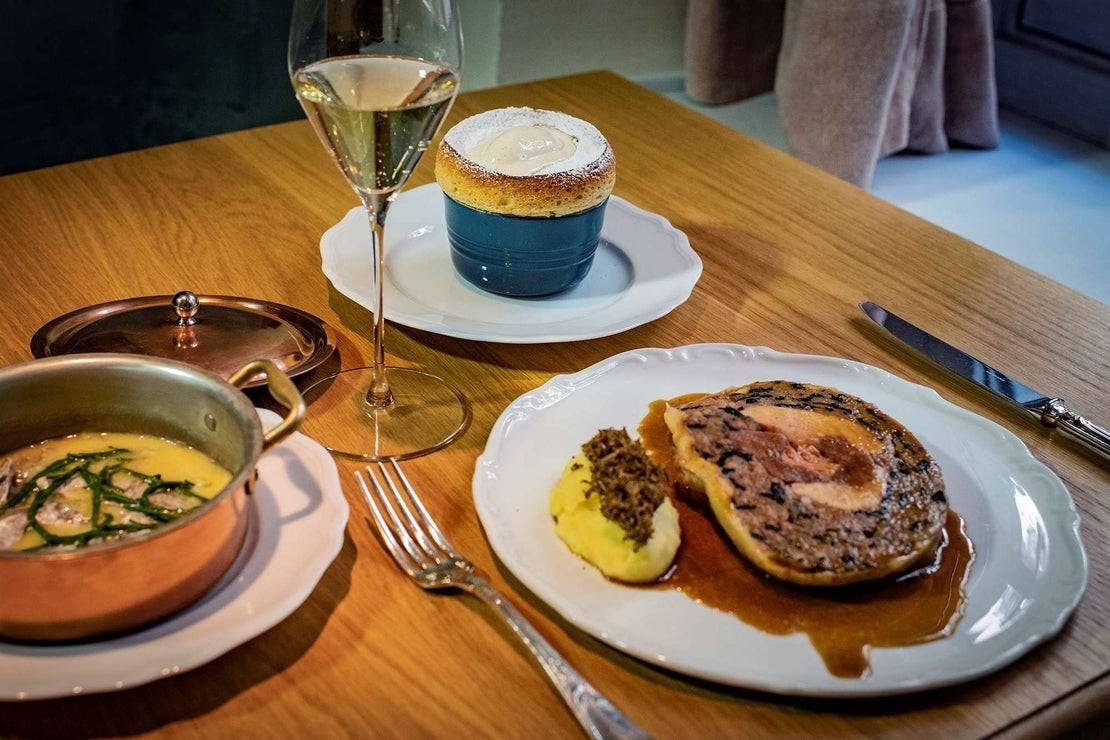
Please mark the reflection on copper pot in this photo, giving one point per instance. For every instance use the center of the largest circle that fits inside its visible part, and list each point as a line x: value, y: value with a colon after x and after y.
x: 118, y: 585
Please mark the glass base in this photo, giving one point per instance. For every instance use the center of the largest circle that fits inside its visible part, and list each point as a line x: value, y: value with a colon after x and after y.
x: 426, y: 415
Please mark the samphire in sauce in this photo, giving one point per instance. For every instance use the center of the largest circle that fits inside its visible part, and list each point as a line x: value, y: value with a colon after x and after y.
x: 69, y: 492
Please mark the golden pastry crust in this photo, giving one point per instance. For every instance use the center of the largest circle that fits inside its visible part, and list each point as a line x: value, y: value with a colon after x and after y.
x: 774, y: 488
x: 555, y: 194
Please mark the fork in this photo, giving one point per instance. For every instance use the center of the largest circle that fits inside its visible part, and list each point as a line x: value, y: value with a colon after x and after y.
x: 420, y: 550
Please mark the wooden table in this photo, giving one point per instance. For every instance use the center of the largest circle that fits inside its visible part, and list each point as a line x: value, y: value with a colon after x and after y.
x: 788, y: 253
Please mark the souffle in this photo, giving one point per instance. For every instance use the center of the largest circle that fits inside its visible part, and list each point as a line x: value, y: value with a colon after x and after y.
x: 526, y: 162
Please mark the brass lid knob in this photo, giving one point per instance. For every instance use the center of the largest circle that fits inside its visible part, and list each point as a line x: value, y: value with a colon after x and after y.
x: 186, y: 305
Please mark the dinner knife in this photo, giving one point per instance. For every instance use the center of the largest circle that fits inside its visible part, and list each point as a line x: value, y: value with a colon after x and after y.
x: 1050, y: 411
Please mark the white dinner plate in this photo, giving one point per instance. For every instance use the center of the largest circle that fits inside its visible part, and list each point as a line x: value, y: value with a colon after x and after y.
x: 296, y: 530
x: 1028, y: 574
x: 643, y: 269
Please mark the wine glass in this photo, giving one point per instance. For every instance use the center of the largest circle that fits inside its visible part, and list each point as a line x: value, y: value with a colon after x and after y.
x: 376, y: 78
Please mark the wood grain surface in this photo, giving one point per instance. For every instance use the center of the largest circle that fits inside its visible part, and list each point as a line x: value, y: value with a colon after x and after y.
x: 788, y: 253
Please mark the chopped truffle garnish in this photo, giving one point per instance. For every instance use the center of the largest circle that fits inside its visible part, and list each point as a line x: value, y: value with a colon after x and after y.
x: 629, y: 485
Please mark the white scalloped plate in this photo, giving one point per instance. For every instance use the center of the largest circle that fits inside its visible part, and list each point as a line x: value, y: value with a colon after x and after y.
x: 297, y: 528
x: 644, y: 269
x: 1029, y: 573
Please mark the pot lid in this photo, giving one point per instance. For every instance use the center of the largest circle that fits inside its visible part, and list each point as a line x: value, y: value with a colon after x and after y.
x: 217, y: 333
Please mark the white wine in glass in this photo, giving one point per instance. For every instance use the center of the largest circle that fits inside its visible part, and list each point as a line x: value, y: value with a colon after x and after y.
x: 376, y: 78
x: 376, y: 114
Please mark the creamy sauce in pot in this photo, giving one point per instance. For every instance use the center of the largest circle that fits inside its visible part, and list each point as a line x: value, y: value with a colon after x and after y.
x: 71, y: 491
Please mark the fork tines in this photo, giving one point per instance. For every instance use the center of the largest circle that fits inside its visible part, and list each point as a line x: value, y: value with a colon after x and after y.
x: 414, y: 540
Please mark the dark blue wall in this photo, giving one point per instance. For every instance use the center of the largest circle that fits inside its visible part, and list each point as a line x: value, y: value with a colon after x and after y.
x: 83, y: 78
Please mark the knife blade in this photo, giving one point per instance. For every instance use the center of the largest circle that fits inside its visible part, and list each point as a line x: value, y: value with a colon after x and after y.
x: 1048, y: 410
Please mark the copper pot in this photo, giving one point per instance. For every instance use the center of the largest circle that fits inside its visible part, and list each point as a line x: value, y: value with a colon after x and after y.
x: 114, y: 586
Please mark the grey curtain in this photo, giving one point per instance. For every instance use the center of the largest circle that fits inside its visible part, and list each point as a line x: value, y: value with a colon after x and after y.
x: 856, y: 80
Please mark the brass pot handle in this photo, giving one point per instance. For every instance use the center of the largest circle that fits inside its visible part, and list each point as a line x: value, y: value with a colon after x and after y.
x: 282, y: 390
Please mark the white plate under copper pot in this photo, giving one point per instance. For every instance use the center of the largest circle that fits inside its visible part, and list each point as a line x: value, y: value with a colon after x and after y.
x: 119, y: 584
x: 298, y: 517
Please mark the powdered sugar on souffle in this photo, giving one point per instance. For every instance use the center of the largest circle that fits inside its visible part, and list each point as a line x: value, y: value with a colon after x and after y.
x: 524, y: 142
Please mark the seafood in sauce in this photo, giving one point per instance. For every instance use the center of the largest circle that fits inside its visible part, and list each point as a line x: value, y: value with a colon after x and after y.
x: 72, y: 491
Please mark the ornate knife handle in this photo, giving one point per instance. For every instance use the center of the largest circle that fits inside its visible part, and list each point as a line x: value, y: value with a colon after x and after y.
x: 1055, y: 413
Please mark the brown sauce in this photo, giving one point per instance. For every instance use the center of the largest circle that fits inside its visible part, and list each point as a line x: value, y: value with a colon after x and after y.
x: 842, y: 623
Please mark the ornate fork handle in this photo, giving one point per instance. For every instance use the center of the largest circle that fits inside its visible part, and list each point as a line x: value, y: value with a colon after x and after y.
x: 598, y: 717
x: 420, y: 549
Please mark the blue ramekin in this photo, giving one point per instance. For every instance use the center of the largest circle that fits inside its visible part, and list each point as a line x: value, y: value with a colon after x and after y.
x: 522, y: 255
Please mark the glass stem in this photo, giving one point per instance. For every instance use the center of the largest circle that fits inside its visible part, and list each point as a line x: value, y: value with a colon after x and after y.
x: 379, y: 395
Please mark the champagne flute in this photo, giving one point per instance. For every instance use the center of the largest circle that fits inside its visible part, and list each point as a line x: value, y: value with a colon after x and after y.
x: 376, y: 79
